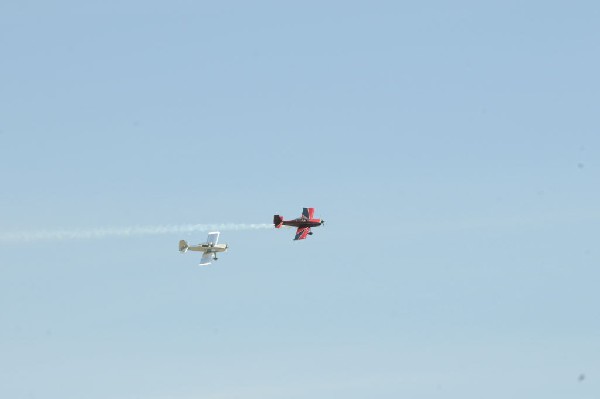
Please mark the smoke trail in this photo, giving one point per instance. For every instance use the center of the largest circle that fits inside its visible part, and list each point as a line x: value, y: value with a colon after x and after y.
x: 60, y: 235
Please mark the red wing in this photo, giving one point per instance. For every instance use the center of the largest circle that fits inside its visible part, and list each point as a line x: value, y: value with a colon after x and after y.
x: 301, y: 233
x: 308, y: 213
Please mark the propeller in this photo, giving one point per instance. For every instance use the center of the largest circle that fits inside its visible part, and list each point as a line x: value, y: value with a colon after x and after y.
x: 322, y: 222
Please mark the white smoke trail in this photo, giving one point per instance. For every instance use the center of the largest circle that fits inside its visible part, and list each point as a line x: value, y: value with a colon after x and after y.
x: 60, y: 235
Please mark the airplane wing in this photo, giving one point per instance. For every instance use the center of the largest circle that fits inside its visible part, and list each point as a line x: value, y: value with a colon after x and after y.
x: 207, y: 257
x: 308, y: 213
x: 301, y: 233
x: 213, y: 238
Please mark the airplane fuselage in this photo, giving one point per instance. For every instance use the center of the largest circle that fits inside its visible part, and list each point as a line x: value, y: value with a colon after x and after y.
x: 208, y: 248
x: 303, y: 222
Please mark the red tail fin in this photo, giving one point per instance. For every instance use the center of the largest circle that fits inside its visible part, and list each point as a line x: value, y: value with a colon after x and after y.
x: 277, y: 221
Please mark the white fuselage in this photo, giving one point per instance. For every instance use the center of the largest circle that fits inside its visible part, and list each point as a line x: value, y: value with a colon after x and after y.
x: 208, y: 248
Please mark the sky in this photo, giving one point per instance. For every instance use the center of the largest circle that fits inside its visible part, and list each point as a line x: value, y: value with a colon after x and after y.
x: 452, y: 149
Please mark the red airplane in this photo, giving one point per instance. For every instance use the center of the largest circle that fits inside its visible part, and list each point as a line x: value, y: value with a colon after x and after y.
x: 303, y: 223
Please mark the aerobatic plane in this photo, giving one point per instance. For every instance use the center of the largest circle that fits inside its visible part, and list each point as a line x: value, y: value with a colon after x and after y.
x: 303, y: 223
x: 209, y: 248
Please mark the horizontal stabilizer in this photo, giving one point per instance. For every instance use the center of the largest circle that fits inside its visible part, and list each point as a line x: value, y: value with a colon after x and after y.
x: 183, y: 246
x: 277, y: 221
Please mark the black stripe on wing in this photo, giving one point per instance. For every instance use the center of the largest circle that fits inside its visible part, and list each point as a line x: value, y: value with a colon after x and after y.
x: 302, y: 233
x: 308, y: 213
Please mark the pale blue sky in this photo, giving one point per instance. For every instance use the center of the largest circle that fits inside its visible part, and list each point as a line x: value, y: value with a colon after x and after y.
x: 452, y: 149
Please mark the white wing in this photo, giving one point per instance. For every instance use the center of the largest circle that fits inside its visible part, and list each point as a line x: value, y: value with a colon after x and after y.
x: 213, y: 238
x: 207, y: 257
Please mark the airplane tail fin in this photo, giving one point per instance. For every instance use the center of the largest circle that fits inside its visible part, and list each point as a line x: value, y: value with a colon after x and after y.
x: 183, y: 246
x: 277, y: 221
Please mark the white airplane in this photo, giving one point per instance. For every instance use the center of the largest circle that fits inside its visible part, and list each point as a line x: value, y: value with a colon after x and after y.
x: 210, y: 248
